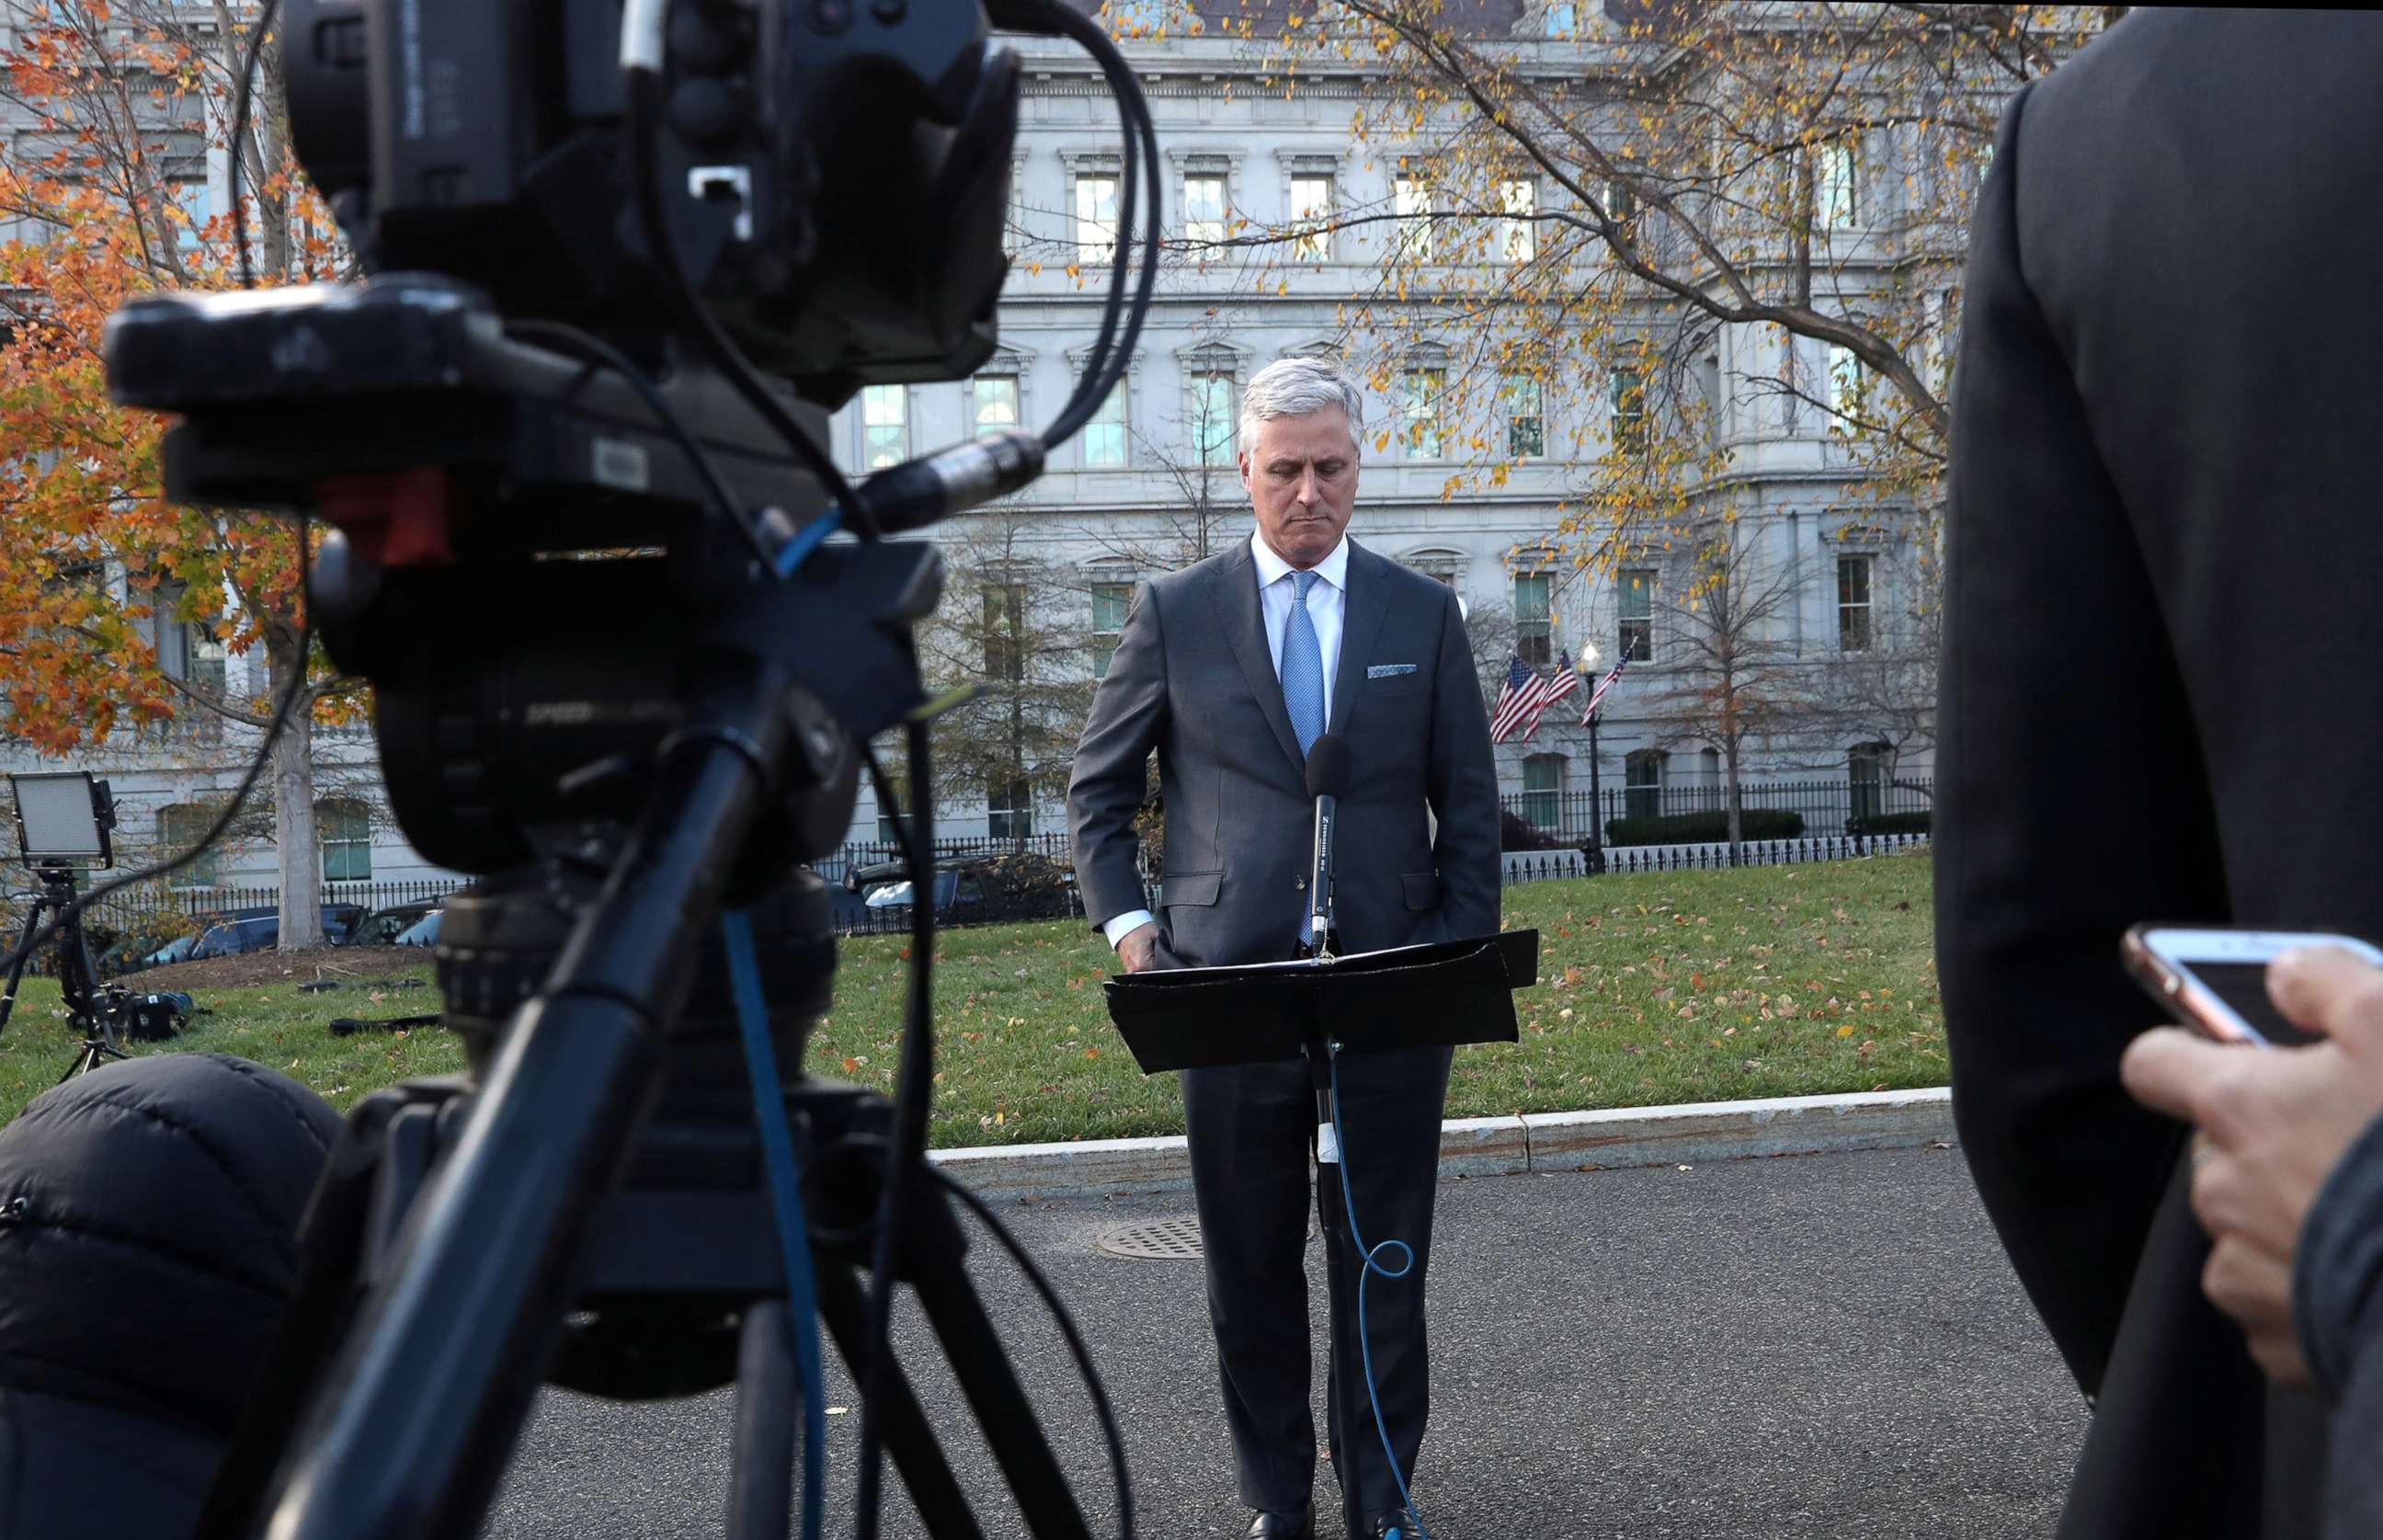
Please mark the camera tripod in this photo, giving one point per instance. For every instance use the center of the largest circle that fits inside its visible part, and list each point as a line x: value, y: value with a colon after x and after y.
x: 92, y: 1009
x: 587, y: 1207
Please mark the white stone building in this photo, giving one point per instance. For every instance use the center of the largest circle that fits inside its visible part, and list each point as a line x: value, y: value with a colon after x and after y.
x: 1119, y: 500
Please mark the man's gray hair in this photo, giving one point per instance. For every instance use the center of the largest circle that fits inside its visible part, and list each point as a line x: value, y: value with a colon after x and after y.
x: 1295, y: 387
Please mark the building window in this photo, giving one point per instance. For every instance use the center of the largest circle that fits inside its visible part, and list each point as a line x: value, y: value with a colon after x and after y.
x: 993, y: 403
x: 1853, y: 603
x: 1517, y: 235
x: 1311, y: 206
x: 1212, y: 416
x: 1543, y: 785
x: 180, y: 827
x: 884, y: 426
x: 1866, y: 775
x: 1111, y: 601
x: 1534, y: 621
x: 1634, y: 603
x: 1203, y: 208
x: 1845, y: 386
x: 1411, y: 201
x: 1832, y: 187
x: 1103, y: 436
x: 1562, y: 18
x: 1625, y: 395
x: 1419, y: 411
x: 345, y: 829
x: 197, y: 201
x: 1009, y: 810
x: 1005, y: 632
x: 1622, y: 201
x: 1527, y: 423
x: 1642, y: 783
x: 1097, y: 218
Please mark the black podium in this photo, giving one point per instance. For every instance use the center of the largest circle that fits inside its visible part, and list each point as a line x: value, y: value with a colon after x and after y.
x: 1440, y: 995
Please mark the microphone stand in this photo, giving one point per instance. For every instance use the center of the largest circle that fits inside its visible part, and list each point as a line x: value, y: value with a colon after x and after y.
x: 1345, y: 1422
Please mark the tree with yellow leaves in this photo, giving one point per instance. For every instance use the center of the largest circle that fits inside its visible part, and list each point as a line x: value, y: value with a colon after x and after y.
x: 117, y: 607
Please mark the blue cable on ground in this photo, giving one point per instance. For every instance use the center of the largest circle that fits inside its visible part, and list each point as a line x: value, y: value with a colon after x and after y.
x: 1373, y: 1265
x: 786, y: 1201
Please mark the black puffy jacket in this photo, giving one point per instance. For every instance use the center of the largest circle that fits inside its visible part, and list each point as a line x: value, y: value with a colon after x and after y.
x: 148, y: 1218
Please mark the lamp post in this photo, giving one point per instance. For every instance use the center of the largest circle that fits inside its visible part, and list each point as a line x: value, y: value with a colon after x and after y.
x: 1586, y: 663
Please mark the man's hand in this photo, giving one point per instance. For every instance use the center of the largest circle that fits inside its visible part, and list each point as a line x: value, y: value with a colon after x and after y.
x: 2273, y: 1123
x: 1139, y: 949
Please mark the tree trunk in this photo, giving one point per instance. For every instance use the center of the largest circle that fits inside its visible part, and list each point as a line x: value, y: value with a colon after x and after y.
x: 1736, y: 806
x: 293, y: 801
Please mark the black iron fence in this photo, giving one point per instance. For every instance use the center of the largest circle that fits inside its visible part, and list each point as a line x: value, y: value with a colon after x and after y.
x: 1793, y: 809
x: 1546, y: 866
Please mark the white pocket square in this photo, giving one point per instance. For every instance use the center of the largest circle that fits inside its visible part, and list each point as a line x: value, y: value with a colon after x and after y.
x: 1384, y: 671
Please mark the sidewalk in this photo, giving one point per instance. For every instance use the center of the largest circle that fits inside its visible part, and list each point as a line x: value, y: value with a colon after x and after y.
x: 1508, y: 1146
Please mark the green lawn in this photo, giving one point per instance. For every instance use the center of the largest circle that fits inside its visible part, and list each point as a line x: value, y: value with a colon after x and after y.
x: 1669, y: 987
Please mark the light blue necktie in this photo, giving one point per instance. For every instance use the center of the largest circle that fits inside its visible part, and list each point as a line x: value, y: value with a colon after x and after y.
x: 1302, y: 684
x: 1303, y: 668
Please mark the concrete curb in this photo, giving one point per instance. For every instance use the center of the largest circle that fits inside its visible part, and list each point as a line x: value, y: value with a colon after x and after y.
x: 1510, y: 1146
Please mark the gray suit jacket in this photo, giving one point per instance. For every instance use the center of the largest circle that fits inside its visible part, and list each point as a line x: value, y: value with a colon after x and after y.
x: 1193, y: 678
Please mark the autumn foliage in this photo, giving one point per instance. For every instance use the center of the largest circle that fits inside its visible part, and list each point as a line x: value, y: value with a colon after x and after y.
x: 125, y: 106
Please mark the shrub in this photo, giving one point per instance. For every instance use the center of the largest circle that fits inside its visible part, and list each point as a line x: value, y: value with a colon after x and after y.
x: 1760, y: 823
x: 1889, y: 823
x: 1517, y: 833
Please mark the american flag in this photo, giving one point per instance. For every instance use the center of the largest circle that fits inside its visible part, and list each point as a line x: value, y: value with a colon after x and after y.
x: 1565, y: 682
x: 1520, y: 703
x: 1602, y: 685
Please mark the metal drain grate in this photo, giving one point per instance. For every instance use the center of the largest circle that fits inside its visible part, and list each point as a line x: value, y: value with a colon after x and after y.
x: 1159, y: 1240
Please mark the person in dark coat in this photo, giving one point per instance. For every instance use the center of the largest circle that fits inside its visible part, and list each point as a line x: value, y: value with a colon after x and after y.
x: 2159, y: 698
x: 148, y: 1223
x: 2288, y: 1179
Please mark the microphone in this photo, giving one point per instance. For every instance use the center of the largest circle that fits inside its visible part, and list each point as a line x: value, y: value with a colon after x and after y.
x: 1328, y: 781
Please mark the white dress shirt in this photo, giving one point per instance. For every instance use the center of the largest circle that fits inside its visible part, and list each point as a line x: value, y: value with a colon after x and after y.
x: 1328, y: 607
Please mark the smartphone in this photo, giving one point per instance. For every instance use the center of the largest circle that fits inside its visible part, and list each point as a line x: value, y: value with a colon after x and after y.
x: 2214, y: 979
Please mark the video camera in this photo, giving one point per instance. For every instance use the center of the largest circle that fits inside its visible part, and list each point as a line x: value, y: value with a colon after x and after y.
x: 623, y: 258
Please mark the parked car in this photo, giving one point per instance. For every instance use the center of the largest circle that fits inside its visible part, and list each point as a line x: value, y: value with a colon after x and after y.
x: 974, y: 890
x: 262, y: 933
x: 383, y: 927
x: 127, y: 952
x: 174, y: 951
x: 422, y: 933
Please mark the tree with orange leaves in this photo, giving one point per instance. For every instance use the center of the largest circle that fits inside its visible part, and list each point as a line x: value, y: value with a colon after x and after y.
x: 121, y: 108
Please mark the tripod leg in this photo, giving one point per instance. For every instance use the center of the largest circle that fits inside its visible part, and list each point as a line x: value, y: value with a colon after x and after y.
x: 24, y: 956
x: 762, y: 1459
x: 981, y: 1364
x: 907, y: 1438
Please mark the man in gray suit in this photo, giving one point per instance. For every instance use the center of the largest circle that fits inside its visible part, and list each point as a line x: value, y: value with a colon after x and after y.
x: 1230, y: 669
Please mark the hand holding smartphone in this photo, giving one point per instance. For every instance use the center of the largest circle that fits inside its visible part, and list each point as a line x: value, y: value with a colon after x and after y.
x: 2214, y: 979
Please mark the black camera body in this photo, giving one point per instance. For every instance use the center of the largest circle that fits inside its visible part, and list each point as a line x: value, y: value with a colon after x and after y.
x: 833, y: 183
x: 837, y: 174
